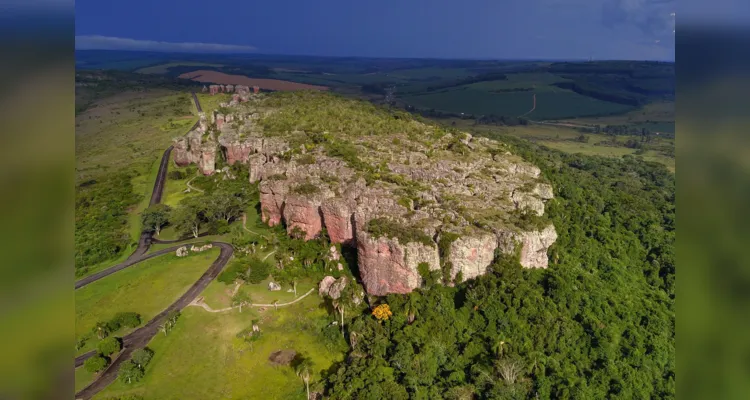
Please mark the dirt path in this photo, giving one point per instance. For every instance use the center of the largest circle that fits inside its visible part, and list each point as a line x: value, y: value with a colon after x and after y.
x: 191, y: 187
x: 200, y: 303
x: 244, y: 226
x: 532, y: 108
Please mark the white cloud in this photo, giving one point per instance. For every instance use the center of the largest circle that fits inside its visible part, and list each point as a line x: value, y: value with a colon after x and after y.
x: 98, y: 42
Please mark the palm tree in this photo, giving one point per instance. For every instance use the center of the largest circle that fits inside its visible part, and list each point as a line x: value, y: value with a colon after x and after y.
x: 276, y: 305
x: 164, y: 328
x: 102, y: 330
x: 499, y: 348
x: 303, y: 368
x: 411, y: 307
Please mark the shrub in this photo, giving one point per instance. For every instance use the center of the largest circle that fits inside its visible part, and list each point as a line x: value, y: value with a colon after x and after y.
x: 95, y: 363
x: 259, y: 270
x: 142, y: 357
x: 384, y: 227
x: 176, y: 175
x: 306, y: 188
x: 307, y: 159
x: 129, y: 319
x: 235, y: 270
x: 109, y: 346
x: 382, y: 312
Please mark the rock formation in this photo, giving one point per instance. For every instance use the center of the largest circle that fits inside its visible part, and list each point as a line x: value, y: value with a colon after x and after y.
x: 444, y: 201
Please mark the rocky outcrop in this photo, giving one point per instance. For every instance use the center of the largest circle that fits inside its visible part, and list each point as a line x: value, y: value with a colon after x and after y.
x: 180, y: 151
x: 207, y: 162
x: 338, y: 216
x: 325, y: 285
x: 472, y: 254
x: 387, y: 266
x: 272, y: 195
x: 303, y: 213
x: 255, y: 162
x: 532, y: 245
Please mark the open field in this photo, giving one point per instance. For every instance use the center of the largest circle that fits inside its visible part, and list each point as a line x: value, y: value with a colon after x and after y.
x: 656, y: 117
x: 146, y: 288
x: 129, y: 130
x: 565, y: 139
x: 203, y: 359
x: 550, y: 104
x: 219, y: 295
x: 164, y: 68
x: 227, y: 79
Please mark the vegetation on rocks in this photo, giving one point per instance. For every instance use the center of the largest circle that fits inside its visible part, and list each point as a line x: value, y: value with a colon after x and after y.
x: 385, y: 227
x: 599, y: 323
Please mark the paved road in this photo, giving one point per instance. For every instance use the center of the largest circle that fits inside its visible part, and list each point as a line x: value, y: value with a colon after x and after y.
x: 140, y: 337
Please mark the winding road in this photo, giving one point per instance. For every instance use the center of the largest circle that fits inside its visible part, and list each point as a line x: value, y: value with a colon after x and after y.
x: 141, y: 336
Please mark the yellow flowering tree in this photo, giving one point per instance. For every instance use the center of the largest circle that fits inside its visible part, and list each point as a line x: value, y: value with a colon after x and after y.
x: 382, y: 312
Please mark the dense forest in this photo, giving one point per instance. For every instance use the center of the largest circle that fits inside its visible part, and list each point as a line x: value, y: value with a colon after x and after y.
x: 599, y: 323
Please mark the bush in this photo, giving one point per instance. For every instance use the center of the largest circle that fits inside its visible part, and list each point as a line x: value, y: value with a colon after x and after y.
x: 142, y: 357
x: 380, y: 227
x: 259, y: 271
x: 176, y: 175
x: 306, y: 188
x: 95, y: 363
x: 109, y: 346
x: 235, y: 270
x: 129, y: 319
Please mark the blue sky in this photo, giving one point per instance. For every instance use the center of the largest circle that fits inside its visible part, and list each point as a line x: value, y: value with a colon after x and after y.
x: 495, y: 29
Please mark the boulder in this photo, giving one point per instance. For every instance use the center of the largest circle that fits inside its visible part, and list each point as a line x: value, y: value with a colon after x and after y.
x: 337, y: 287
x: 325, y: 285
x: 256, y: 162
x: 274, y: 287
x: 181, y: 252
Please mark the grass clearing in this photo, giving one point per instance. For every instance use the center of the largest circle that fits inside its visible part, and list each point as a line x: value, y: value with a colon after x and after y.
x: 219, y: 295
x: 656, y: 117
x: 146, y: 288
x: 203, y: 358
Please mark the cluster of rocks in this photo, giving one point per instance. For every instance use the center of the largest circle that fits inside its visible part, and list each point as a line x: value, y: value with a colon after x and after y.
x: 333, y: 288
x: 214, y: 89
x: 274, y: 287
x: 183, y: 251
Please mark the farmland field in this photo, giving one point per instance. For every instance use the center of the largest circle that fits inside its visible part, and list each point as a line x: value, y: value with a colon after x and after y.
x: 164, y: 68
x: 550, y: 104
x: 227, y: 79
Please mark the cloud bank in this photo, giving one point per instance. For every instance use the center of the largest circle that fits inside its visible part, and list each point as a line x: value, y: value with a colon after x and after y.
x: 98, y: 42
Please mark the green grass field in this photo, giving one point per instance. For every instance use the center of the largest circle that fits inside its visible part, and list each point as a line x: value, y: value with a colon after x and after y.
x: 656, y: 117
x: 549, y: 104
x: 164, y: 68
x: 202, y: 358
x: 146, y: 288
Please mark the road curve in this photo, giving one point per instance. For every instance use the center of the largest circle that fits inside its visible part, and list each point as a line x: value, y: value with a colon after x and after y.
x: 141, y: 336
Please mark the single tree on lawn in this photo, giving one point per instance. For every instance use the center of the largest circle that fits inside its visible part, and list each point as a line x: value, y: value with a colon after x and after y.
x: 95, y: 363
x: 155, y: 217
x: 303, y: 368
x: 276, y: 305
x: 130, y: 372
x: 241, y: 299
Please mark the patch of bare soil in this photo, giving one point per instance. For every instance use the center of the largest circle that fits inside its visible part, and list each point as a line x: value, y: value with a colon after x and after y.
x: 227, y: 79
x: 282, y: 357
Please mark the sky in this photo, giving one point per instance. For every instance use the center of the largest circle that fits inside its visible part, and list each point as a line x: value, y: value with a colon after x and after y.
x: 474, y: 29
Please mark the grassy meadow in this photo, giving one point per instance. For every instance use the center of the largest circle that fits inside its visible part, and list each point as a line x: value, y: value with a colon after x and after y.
x: 201, y: 358
x: 146, y: 288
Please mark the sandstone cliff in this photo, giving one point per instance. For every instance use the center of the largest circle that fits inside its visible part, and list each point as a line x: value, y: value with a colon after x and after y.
x: 444, y: 200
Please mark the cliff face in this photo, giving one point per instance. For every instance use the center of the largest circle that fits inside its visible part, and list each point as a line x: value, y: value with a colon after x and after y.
x: 387, y: 266
x: 391, y: 197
